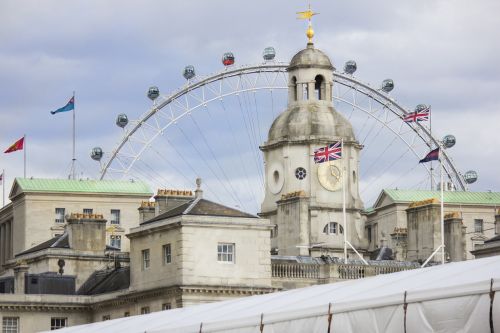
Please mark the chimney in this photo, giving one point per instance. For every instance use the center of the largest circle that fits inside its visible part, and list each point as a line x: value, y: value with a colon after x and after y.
x: 168, y: 199
x: 146, y: 211
x: 86, y: 232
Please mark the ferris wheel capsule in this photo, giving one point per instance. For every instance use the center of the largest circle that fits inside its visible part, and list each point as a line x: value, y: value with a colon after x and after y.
x: 449, y: 141
x: 470, y: 176
x: 189, y: 72
x: 153, y: 93
x: 122, y: 120
x: 269, y: 53
x: 228, y: 59
x: 96, y: 153
x: 350, y: 67
x: 420, y: 107
x: 387, y: 85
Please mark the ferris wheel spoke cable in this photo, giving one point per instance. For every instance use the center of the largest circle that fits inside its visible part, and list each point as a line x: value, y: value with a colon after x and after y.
x: 155, y: 174
x: 238, y: 147
x: 232, y: 192
x: 188, y: 182
x: 372, y: 127
x: 251, y: 142
x: 389, y: 166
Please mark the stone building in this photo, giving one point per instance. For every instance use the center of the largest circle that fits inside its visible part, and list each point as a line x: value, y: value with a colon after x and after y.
x: 38, y: 207
x: 387, y: 222
x: 303, y: 198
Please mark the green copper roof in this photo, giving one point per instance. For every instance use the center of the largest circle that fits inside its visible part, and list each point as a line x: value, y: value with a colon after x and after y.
x: 457, y: 197
x: 83, y: 186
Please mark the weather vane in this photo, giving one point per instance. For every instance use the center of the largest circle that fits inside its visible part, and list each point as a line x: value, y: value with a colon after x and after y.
x: 307, y: 15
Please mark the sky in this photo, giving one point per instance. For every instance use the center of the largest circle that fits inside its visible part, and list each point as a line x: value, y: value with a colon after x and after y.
x: 441, y: 52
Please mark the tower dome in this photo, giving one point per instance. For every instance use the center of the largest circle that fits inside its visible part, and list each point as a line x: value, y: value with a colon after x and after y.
x: 310, y: 57
x: 310, y: 114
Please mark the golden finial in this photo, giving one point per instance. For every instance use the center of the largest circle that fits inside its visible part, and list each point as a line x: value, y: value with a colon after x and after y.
x: 307, y: 15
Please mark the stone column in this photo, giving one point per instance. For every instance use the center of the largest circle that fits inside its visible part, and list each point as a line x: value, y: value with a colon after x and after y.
x: 453, y: 237
x: 20, y: 272
x: 497, y: 223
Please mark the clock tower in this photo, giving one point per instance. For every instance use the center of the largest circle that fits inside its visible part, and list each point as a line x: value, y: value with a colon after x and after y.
x: 302, y: 198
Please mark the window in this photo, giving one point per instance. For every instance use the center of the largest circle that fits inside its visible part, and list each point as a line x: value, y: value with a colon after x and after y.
x: 10, y: 325
x: 145, y: 259
x: 88, y: 211
x: 145, y: 310
x: 59, y: 215
x: 333, y: 228
x: 126, y: 314
x: 225, y: 252
x: 274, y: 232
x: 319, y: 87
x: 300, y: 173
x: 167, y: 254
x: 369, y: 232
x: 478, y: 226
x: 115, y: 216
x: 294, y: 87
x: 106, y: 317
x: 166, y: 306
x: 56, y: 323
x: 115, y: 241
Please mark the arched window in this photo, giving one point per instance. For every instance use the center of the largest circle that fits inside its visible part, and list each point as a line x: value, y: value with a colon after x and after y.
x: 354, y: 176
x: 319, y: 87
x: 294, y: 84
x: 333, y: 228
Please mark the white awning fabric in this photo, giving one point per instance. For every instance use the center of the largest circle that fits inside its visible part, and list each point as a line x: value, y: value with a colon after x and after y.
x: 455, y: 297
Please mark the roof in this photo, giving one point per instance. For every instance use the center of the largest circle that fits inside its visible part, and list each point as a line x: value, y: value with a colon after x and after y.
x: 201, y: 207
x: 80, y: 186
x: 105, y: 281
x: 60, y: 242
x: 450, y: 197
x: 445, y: 298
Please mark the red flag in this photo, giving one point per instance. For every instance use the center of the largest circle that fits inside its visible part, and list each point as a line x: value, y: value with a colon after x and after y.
x: 18, y: 145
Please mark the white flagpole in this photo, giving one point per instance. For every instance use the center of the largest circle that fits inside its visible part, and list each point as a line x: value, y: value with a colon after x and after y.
x: 442, y: 210
x: 343, y: 199
x: 73, y: 159
x: 24, y: 151
x: 3, y: 187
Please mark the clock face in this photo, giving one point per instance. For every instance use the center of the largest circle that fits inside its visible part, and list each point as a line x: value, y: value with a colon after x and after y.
x: 330, y: 176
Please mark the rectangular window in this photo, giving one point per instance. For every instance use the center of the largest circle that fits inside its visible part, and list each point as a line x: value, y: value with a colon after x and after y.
x: 10, y: 325
x: 115, y: 216
x: 225, y: 252
x: 167, y: 254
x: 145, y: 259
x: 115, y: 241
x: 59, y: 215
x: 478, y: 226
x: 145, y: 310
x: 88, y: 211
x: 126, y: 314
x: 369, y: 232
x: 166, y: 306
x: 56, y: 323
x: 106, y: 317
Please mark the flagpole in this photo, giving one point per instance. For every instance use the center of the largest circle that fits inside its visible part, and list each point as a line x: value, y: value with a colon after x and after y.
x: 73, y: 159
x: 442, y: 212
x: 3, y: 187
x: 344, y: 217
x: 430, y: 141
x: 24, y: 153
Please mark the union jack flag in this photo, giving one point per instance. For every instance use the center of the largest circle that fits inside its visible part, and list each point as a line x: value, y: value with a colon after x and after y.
x: 422, y: 115
x: 328, y: 153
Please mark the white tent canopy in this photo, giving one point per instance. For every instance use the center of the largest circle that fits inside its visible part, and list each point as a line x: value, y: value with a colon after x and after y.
x: 450, y: 298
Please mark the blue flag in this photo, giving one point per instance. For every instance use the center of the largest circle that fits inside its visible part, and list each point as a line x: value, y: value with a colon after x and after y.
x: 68, y: 107
x: 433, y: 155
